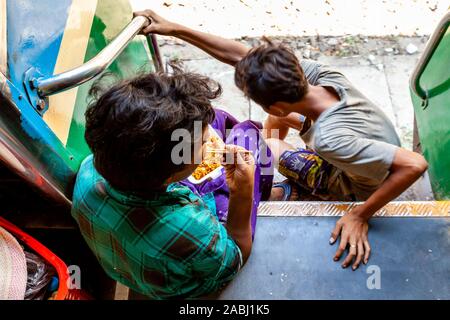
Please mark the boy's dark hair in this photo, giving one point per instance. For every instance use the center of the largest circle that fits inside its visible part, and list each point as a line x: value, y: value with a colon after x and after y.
x: 271, y: 73
x: 129, y: 127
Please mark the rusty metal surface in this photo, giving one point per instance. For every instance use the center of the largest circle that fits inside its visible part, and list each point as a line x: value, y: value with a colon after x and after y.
x: 332, y: 209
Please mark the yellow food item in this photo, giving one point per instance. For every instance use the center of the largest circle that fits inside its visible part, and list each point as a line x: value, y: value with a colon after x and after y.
x: 211, y: 160
x: 203, y: 169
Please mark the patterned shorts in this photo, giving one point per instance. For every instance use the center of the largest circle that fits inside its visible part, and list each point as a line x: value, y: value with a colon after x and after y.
x: 307, y: 169
x: 313, y: 174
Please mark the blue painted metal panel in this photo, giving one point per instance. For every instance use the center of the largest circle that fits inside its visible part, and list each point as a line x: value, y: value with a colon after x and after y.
x: 16, y: 132
x: 35, y: 30
x: 33, y: 41
x: 34, y: 35
x: 292, y: 259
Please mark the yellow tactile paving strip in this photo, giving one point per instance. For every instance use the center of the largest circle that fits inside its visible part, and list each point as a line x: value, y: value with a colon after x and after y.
x: 331, y: 209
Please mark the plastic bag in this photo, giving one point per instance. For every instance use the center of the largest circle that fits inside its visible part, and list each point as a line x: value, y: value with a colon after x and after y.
x: 40, y: 276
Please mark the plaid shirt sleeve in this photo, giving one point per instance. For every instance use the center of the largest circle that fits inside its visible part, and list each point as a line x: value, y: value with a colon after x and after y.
x: 220, y: 260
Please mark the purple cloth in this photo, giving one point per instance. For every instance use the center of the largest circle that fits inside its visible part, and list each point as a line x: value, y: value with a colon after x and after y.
x: 245, y: 134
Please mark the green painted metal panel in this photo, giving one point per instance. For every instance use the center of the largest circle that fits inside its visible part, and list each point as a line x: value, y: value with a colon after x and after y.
x: 110, y: 18
x: 433, y: 122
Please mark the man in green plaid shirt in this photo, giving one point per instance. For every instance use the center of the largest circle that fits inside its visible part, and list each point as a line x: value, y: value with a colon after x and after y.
x: 165, y: 245
x: 148, y: 227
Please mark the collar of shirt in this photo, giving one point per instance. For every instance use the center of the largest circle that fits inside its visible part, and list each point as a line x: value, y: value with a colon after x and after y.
x: 172, y: 192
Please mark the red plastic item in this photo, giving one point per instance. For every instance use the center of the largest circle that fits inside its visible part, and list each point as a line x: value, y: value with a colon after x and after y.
x: 78, y: 294
x: 45, y: 253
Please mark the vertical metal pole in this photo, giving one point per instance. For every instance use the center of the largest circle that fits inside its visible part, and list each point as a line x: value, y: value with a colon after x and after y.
x: 154, y: 51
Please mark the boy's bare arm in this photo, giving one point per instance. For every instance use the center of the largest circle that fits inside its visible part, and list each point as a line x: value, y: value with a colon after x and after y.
x: 239, y: 174
x: 225, y: 50
x: 406, y: 168
x: 278, y: 127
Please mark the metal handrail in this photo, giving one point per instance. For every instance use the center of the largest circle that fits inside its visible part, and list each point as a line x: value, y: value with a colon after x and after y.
x: 79, y: 75
x: 428, y: 52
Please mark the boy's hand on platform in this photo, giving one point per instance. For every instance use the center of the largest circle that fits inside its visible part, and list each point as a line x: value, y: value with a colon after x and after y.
x: 353, y: 230
x: 239, y: 167
x: 158, y: 25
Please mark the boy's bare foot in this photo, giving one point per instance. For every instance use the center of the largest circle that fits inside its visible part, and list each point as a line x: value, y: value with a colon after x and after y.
x: 284, y: 191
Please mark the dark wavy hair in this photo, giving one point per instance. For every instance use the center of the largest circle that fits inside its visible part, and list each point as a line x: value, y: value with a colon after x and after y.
x: 271, y: 73
x: 129, y: 126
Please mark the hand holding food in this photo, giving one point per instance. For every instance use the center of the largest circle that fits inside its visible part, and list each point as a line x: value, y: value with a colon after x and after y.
x: 237, y: 161
x: 239, y: 169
